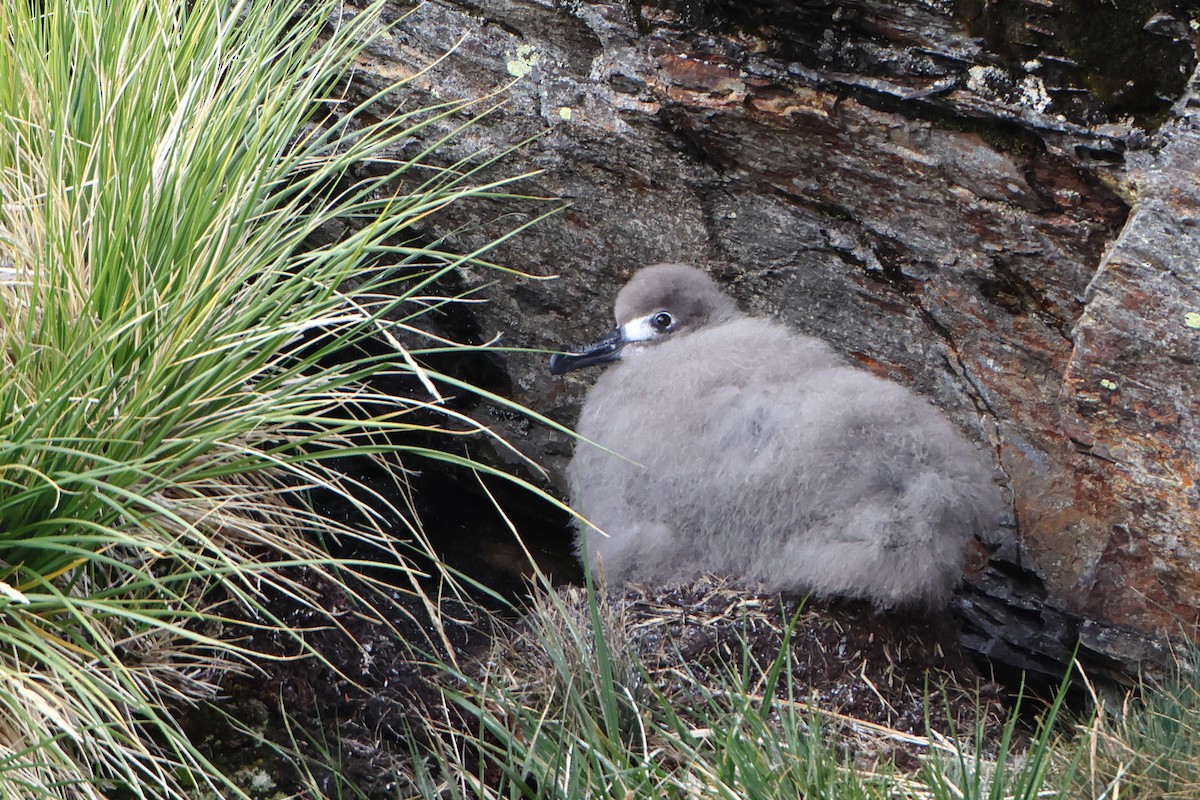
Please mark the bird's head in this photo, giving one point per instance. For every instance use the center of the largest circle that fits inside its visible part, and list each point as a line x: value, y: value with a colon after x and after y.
x: 658, y: 302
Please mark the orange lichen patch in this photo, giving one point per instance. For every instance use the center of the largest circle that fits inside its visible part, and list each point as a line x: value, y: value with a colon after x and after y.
x: 884, y: 370
x: 1064, y: 509
x: 1130, y: 582
x: 686, y: 75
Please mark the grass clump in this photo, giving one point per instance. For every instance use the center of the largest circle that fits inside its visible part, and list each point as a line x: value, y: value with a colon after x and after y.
x: 575, y: 705
x: 173, y: 368
x: 972, y: 768
x: 1148, y: 748
x: 745, y: 739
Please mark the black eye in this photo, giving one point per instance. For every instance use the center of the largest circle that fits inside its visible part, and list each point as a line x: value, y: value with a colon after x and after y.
x: 661, y: 321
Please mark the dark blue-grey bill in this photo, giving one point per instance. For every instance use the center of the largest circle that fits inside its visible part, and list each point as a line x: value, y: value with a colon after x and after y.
x: 603, y: 351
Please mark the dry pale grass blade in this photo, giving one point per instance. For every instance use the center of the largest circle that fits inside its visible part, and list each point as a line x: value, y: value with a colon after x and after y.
x: 1149, y: 746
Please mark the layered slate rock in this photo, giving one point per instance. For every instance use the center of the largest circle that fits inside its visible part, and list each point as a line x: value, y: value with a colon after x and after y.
x: 1130, y: 397
x: 992, y: 203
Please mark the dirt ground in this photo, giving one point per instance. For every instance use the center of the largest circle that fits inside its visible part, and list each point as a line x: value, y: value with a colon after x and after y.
x: 362, y: 711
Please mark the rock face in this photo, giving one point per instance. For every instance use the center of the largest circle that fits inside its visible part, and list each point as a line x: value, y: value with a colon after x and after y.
x: 992, y: 203
x: 1129, y: 394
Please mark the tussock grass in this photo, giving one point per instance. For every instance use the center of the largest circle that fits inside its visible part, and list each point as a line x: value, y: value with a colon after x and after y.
x: 1150, y: 746
x: 173, y: 368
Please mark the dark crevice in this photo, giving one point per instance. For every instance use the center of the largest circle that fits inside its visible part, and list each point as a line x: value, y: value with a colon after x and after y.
x: 676, y: 119
x: 1009, y: 290
x: 892, y: 261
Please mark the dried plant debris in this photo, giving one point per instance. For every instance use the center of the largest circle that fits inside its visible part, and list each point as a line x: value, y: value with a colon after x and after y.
x: 871, y: 678
x: 886, y: 679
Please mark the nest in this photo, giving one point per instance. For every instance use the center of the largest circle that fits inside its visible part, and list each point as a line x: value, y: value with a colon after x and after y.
x: 894, y: 684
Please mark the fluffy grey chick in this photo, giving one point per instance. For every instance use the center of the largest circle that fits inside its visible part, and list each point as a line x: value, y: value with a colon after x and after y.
x: 737, y: 447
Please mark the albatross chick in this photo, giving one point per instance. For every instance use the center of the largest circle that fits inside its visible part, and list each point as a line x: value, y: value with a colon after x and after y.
x: 731, y: 445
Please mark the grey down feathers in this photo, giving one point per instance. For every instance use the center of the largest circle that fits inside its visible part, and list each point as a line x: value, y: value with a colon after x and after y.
x: 729, y: 444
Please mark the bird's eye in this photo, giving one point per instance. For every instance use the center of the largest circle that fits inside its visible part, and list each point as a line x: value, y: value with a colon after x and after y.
x: 661, y: 321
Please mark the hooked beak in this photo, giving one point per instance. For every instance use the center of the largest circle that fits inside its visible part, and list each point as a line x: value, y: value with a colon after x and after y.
x: 601, y: 352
